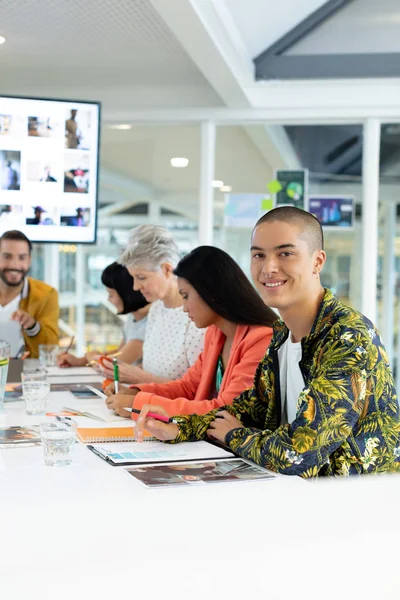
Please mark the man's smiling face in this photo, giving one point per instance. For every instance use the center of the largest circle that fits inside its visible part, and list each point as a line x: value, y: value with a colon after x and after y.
x: 283, y: 266
x: 15, y: 262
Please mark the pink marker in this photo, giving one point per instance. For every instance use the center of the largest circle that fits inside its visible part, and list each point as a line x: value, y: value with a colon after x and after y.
x: 152, y: 415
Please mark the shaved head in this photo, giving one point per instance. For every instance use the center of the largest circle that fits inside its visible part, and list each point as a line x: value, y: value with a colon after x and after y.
x: 308, y: 225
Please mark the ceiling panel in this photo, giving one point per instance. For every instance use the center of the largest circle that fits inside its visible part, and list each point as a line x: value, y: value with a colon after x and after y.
x: 261, y: 23
x: 107, y: 48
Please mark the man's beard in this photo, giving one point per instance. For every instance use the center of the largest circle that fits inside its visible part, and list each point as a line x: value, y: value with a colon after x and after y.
x: 3, y: 277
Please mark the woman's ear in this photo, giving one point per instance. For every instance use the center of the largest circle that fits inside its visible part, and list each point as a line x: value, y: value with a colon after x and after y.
x: 167, y: 269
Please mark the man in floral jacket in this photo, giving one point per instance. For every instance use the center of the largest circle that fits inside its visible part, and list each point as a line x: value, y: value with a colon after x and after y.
x: 323, y: 400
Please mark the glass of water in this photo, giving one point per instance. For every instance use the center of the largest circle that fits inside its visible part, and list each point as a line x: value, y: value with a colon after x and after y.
x: 4, y: 360
x: 35, y: 389
x: 48, y: 355
x: 57, y: 441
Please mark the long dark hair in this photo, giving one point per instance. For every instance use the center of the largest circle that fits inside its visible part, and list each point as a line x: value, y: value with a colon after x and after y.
x: 223, y: 286
x: 118, y: 278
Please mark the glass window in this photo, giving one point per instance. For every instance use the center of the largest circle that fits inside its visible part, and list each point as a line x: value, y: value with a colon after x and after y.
x: 246, y: 160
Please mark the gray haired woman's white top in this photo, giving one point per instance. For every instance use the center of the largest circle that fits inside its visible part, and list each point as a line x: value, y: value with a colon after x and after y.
x: 134, y: 330
x: 172, y: 342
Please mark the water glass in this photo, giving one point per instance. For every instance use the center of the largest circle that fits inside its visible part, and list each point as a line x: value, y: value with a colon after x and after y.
x: 35, y: 389
x: 48, y: 355
x: 57, y: 440
x: 4, y: 360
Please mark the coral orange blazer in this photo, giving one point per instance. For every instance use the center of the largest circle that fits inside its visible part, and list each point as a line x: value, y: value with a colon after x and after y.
x: 195, y: 392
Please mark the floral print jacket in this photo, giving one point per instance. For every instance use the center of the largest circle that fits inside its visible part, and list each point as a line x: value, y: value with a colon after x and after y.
x: 347, y: 419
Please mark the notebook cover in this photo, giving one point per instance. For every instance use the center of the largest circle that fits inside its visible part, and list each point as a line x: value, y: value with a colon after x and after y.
x: 94, y: 435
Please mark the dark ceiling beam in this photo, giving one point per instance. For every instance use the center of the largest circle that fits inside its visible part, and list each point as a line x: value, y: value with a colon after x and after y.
x: 329, y: 66
x: 304, y: 28
x: 271, y: 64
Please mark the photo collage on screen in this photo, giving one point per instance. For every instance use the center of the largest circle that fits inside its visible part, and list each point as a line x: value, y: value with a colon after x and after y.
x: 48, y: 168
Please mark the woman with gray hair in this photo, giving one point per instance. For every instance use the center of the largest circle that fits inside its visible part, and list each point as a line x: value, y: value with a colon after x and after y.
x: 172, y: 342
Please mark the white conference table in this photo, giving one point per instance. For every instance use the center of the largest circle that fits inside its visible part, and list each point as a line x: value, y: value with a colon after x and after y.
x: 90, y: 530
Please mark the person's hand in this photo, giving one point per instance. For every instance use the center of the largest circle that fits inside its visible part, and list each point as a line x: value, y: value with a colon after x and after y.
x: 117, y: 402
x: 122, y: 390
x: 224, y: 423
x: 23, y: 318
x: 92, y: 355
x: 65, y: 360
x: 127, y: 373
x: 106, y: 367
x: 160, y: 430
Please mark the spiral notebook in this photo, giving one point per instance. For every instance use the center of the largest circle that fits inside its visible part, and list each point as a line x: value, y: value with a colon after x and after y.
x: 95, y: 435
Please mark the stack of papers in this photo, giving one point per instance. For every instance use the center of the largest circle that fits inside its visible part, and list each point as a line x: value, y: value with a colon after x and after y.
x: 155, y: 452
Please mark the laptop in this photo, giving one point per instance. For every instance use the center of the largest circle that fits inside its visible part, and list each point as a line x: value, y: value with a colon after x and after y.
x: 10, y: 331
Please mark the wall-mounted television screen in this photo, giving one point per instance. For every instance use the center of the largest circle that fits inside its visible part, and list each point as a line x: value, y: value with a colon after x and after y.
x: 49, y: 161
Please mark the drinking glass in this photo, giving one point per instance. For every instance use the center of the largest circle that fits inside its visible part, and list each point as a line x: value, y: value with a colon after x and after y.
x: 48, y: 355
x: 35, y: 389
x: 57, y: 440
x: 4, y: 360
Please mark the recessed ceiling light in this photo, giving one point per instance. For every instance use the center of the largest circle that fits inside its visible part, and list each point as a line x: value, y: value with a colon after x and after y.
x: 225, y: 188
x: 217, y: 183
x: 2, y: 39
x: 121, y: 126
x: 180, y: 162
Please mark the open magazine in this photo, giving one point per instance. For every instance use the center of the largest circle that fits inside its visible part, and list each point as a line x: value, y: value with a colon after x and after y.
x: 198, y: 473
x: 18, y: 436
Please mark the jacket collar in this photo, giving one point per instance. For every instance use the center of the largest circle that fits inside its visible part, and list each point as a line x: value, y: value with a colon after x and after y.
x: 322, y: 321
x: 25, y: 289
x: 240, y: 334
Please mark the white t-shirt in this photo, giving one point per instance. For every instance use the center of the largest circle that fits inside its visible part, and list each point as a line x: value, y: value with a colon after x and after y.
x: 134, y: 330
x: 5, y: 315
x: 291, y: 378
x: 172, y: 342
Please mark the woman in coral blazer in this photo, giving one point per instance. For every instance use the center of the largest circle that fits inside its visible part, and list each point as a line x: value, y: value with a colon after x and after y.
x: 216, y: 294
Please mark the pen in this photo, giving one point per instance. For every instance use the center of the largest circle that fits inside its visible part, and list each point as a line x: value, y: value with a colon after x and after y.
x: 20, y: 352
x: 152, y: 415
x: 66, y: 420
x: 116, y: 375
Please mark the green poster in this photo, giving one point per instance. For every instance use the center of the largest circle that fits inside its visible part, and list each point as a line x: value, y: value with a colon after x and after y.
x: 294, y: 186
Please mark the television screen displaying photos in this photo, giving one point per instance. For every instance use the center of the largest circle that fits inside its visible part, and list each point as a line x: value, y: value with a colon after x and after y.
x: 49, y: 161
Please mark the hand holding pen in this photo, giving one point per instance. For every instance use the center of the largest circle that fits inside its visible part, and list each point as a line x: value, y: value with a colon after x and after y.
x: 116, y: 375
x: 118, y: 402
x: 101, y: 358
x: 150, y: 420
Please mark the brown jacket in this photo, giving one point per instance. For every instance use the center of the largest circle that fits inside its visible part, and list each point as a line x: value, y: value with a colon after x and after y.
x: 41, y: 303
